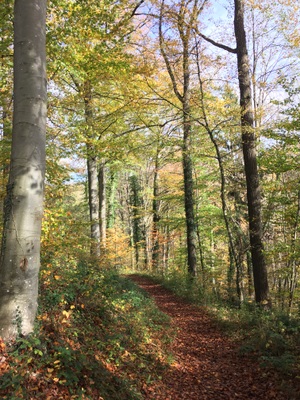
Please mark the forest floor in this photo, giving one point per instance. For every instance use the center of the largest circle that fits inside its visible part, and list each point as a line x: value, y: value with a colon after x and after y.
x: 207, y: 364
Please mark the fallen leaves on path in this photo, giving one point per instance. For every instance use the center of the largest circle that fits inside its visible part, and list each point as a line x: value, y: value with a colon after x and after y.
x: 207, y: 365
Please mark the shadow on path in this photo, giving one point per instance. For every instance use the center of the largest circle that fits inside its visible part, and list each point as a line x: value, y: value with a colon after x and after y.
x: 207, y: 365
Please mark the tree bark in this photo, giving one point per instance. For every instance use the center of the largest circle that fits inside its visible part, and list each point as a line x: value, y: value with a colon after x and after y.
x: 20, y: 252
x: 250, y: 160
x: 111, y: 199
x: 92, y: 169
x: 155, y: 211
x: 102, y: 203
x: 184, y: 26
x: 135, y: 204
x: 191, y: 228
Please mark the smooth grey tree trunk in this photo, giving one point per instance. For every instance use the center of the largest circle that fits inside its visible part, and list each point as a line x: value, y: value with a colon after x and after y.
x: 250, y: 160
x: 20, y: 252
x: 92, y: 167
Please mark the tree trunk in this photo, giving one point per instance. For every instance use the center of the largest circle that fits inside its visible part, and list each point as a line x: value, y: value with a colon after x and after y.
x: 102, y: 201
x: 185, y: 20
x: 112, y: 187
x: 20, y: 253
x: 93, y: 205
x: 92, y: 169
x: 191, y: 229
x: 135, y: 204
x: 155, y: 220
x: 250, y: 160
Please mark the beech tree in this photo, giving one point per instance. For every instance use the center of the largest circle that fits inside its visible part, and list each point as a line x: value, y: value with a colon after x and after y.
x: 249, y: 153
x: 92, y: 170
x: 183, y: 18
x: 20, y: 252
x: 250, y: 160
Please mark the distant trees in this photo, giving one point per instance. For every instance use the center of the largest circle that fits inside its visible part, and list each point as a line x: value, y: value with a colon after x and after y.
x: 91, y: 42
x: 23, y: 209
x: 6, y: 98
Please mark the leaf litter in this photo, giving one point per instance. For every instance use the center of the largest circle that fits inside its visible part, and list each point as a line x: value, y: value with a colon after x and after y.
x: 207, y: 364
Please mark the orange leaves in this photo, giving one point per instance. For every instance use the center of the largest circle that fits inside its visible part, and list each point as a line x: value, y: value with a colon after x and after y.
x: 207, y: 363
x: 4, y: 361
x: 117, y: 248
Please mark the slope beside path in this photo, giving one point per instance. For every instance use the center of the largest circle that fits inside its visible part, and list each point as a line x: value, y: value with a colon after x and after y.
x: 207, y: 364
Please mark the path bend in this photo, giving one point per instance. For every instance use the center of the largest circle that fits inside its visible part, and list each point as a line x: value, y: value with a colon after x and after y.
x: 207, y: 364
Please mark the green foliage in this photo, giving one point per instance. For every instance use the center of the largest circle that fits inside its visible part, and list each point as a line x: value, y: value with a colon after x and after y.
x: 195, y: 291
x: 97, y: 335
x: 271, y: 336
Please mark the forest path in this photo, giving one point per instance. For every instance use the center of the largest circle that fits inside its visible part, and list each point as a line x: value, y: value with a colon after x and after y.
x: 207, y: 364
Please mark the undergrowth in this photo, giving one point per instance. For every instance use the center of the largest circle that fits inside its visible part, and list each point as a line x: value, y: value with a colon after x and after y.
x: 272, y: 337
x: 97, y: 337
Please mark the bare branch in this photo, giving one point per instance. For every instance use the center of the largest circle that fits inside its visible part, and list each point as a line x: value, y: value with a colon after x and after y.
x: 133, y: 13
x: 219, y: 45
x: 165, y: 57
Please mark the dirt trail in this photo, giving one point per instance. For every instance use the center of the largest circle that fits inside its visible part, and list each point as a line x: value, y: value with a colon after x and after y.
x: 207, y: 365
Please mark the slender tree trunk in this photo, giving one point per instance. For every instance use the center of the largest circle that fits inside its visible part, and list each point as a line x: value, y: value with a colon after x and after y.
x: 250, y: 160
x: 20, y: 253
x: 200, y: 244
x: 249, y: 274
x: 135, y: 204
x: 293, y: 264
x: 92, y: 169
x: 102, y: 201
x: 155, y: 205
x: 191, y: 228
x: 166, y: 250
x: 111, y: 200
x: 187, y: 150
x: 185, y: 20
x: 233, y: 258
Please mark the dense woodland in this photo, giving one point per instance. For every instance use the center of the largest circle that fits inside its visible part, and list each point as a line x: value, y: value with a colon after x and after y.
x: 172, y: 147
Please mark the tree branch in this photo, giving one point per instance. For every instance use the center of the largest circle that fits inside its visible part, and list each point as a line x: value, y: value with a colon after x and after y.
x: 216, y: 44
x: 133, y: 13
x: 165, y: 57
